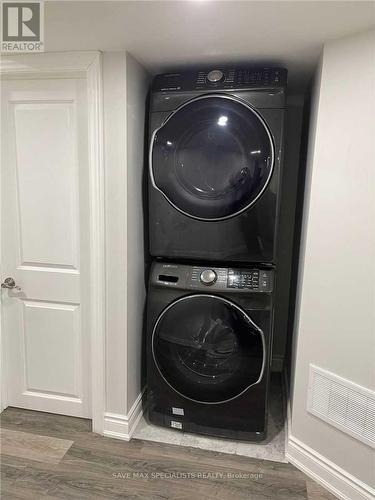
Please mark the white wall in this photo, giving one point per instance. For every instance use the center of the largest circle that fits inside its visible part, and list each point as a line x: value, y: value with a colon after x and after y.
x: 125, y: 85
x: 115, y: 147
x: 137, y: 82
x: 335, y: 317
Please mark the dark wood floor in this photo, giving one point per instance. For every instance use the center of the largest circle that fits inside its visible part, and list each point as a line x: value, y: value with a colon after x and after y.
x: 47, y: 456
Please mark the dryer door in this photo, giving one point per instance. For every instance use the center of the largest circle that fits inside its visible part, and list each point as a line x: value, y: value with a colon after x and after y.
x: 212, y: 158
x: 208, y: 349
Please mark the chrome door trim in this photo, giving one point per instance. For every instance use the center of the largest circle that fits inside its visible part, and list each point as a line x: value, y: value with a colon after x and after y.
x: 209, y: 96
x: 218, y: 297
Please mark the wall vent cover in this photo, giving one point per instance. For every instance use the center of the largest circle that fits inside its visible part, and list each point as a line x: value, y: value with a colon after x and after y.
x: 343, y: 404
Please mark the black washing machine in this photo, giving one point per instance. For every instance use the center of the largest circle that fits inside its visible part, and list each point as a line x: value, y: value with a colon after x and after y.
x: 215, y: 157
x: 209, y: 338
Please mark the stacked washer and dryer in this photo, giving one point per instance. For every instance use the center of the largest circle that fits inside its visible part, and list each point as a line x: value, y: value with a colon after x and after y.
x: 214, y: 195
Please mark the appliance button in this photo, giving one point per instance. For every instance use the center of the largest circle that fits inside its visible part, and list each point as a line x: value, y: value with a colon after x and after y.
x: 215, y: 76
x: 208, y: 277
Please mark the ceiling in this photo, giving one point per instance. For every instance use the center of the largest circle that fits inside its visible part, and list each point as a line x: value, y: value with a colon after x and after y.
x: 168, y: 34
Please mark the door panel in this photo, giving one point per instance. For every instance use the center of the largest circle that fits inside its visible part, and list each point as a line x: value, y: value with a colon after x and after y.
x: 51, y: 332
x: 45, y: 244
x: 51, y: 172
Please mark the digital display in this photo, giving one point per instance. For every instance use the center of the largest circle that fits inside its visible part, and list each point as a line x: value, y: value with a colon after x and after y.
x: 243, y: 279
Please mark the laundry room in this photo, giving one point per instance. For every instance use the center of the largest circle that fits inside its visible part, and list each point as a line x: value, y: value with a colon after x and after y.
x: 193, y: 314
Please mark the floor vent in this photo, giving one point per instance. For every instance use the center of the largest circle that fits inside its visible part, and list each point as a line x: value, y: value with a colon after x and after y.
x: 343, y: 404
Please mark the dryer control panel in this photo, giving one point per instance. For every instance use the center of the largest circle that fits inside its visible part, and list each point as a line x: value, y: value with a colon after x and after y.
x: 206, y: 278
x: 222, y: 79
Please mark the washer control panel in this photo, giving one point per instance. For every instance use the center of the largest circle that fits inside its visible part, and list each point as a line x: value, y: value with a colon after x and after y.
x: 213, y: 278
x: 256, y: 280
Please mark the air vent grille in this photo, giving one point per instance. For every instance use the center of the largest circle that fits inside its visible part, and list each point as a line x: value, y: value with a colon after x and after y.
x: 343, y: 404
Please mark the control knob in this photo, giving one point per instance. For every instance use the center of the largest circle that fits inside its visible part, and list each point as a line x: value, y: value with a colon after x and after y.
x: 208, y: 277
x: 215, y: 76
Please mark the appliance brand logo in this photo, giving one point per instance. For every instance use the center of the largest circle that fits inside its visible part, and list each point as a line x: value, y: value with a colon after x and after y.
x: 22, y: 26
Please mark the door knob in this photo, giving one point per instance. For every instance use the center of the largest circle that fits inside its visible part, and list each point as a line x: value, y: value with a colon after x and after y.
x: 10, y: 284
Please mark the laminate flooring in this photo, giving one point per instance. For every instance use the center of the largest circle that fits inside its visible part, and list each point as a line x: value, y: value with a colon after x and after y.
x: 46, y: 456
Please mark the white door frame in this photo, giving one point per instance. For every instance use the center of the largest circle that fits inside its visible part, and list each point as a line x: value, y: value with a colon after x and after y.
x: 86, y: 65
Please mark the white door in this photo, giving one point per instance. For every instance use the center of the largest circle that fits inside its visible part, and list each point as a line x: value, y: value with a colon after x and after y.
x: 45, y: 244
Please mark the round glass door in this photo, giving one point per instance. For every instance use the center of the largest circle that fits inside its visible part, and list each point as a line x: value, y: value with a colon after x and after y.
x: 207, y: 348
x: 212, y: 158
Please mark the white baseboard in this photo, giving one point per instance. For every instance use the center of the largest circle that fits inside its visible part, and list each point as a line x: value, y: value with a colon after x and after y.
x: 326, y: 473
x: 287, y: 409
x: 321, y: 470
x: 123, y: 426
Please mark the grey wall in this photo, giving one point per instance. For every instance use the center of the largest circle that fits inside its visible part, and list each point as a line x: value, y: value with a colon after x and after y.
x: 125, y: 85
x: 335, y: 317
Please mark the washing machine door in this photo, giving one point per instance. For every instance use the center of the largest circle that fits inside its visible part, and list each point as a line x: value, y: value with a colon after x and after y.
x: 208, y: 349
x: 212, y: 158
